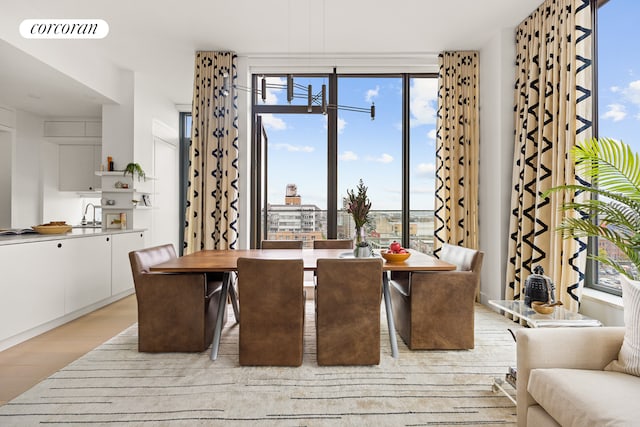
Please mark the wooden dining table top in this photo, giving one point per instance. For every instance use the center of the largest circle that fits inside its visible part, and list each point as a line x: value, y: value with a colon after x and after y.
x: 227, y: 260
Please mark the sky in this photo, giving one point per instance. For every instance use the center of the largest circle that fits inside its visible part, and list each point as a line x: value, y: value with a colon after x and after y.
x: 367, y: 150
x: 619, y: 72
x: 371, y: 150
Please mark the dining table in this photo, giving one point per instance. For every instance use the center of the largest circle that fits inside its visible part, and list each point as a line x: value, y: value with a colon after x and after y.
x: 226, y: 262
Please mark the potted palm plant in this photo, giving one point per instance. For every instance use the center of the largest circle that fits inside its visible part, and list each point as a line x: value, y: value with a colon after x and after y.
x: 613, y: 211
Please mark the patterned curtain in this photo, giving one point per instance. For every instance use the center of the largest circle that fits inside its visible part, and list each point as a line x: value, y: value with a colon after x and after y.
x: 212, y: 194
x: 457, y: 151
x: 552, y: 113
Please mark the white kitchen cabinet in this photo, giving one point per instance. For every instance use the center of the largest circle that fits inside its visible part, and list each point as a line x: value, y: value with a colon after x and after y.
x: 76, y: 167
x: 122, y: 244
x: 88, y: 275
x: 48, y: 282
x: 64, y: 128
x: 32, y: 287
x: 73, y: 129
x: 93, y: 129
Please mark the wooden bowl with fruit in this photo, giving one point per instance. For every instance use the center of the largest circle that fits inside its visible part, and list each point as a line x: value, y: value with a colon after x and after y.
x: 395, y: 253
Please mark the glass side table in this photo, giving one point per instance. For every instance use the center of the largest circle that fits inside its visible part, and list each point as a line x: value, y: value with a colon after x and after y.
x: 559, y: 318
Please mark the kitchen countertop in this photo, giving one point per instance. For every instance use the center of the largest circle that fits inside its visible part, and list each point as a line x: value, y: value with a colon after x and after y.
x: 74, y: 233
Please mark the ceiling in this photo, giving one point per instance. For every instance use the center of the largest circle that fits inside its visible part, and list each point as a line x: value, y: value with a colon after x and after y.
x: 159, y: 39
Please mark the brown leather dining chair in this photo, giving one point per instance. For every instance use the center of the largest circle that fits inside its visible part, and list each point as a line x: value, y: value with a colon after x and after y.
x: 176, y: 312
x: 281, y: 244
x: 272, y: 302
x: 435, y: 310
x: 333, y: 244
x: 348, y: 296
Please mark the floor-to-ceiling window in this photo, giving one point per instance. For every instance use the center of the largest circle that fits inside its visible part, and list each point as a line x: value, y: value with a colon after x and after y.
x: 423, y: 104
x: 185, y: 141
x: 371, y: 151
x: 309, y: 157
x: 296, y: 162
x: 618, y: 100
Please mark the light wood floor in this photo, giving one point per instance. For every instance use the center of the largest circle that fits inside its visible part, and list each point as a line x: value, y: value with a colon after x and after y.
x: 26, y: 364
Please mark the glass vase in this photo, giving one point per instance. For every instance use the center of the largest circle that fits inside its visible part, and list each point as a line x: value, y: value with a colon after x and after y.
x: 361, y: 248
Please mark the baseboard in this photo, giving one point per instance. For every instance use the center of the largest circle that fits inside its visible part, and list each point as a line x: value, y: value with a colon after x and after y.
x: 45, y: 327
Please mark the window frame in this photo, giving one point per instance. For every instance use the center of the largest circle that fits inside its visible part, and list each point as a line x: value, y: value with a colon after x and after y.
x: 592, y: 266
x: 184, y: 144
x: 258, y: 108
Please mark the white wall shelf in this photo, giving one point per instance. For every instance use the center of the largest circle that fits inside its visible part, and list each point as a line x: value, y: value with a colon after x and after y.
x: 93, y: 194
x: 123, y: 197
x: 119, y: 208
x: 121, y: 173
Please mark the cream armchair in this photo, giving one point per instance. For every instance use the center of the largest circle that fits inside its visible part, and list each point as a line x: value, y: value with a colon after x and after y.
x: 562, y: 381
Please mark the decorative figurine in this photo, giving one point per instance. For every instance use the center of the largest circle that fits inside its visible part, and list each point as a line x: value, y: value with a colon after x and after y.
x: 538, y: 287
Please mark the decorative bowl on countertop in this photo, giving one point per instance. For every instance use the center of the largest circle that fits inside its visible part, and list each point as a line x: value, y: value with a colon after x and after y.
x: 391, y: 257
x: 55, y: 227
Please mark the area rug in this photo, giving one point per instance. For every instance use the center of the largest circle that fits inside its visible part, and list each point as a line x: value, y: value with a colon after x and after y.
x: 116, y: 385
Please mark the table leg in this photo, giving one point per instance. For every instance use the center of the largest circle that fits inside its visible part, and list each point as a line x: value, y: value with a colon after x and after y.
x: 226, y: 280
x: 389, y: 311
x: 234, y: 301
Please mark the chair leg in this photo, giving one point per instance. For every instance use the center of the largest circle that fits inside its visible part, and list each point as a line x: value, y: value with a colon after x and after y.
x: 233, y: 295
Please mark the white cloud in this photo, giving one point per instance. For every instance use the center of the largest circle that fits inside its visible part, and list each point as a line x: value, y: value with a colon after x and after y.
x: 294, y: 148
x: 615, y: 112
x: 272, y: 122
x: 384, y: 158
x: 426, y: 169
x: 615, y: 89
x: 632, y: 92
x: 432, y: 134
x: 272, y: 93
x: 348, y: 156
x: 341, y: 124
x: 424, y: 101
x: 372, y: 93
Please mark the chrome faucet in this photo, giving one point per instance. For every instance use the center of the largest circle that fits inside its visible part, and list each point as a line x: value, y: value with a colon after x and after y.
x: 84, y: 216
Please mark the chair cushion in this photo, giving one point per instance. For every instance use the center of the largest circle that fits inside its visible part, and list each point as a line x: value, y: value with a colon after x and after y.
x: 581, y: 397
x: 628, y: 360
x: 461, y: 257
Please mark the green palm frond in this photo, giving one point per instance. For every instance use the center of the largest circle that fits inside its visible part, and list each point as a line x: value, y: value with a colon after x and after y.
x: 607, y: 213
x: 578, y: 227
x: 610, y: 164
x: 611, y: 263
x: 611, y: 208
x: 573, y: 189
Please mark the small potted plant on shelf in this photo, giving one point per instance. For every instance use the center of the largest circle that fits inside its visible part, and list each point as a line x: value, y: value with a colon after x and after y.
x: 135, y: 168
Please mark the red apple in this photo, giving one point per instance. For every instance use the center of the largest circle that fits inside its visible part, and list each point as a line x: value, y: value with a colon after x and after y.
x: 395, y: 246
